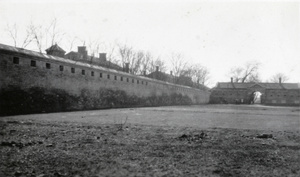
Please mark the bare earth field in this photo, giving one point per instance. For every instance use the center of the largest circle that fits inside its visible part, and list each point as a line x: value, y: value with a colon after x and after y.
x: 205, y: 140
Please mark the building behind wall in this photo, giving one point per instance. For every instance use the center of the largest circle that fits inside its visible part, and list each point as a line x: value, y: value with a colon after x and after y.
x: 35, y: 82
x: 180, y: 80
x: 82, y: 56
x: 243, y: 93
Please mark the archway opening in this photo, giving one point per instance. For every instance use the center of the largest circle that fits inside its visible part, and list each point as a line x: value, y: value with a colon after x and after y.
x: 256, y: 97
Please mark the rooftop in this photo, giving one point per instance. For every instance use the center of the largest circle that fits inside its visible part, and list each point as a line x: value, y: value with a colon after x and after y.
x: 259, y: 84
x: 54, y: 47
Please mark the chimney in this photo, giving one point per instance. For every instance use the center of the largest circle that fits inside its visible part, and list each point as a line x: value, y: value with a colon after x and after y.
x: 157, y: 68
x: 82, y: 51
x: 144, y: 73
x: 231, y: 80
x: 171, y: 73
x: 102, y: 56
x: 127, y: 67
x: 279, y: 80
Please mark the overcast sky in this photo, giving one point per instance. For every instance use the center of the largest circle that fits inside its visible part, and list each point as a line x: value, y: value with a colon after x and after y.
x: 219, y: 35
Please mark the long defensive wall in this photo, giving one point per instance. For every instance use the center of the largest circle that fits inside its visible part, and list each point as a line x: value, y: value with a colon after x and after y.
x: 32, y: 82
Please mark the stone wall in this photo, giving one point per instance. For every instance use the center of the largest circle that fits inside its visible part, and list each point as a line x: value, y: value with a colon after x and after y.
x: 268, y: 97
x: 282, y: 97
x: 52, y: 74
x: 229, y: 96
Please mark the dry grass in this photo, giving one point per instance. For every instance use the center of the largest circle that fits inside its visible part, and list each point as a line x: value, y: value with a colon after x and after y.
x: 43, y: 148
x: 161, y: 141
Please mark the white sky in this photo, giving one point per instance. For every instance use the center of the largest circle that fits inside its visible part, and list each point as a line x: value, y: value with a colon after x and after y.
x: 217, y: 34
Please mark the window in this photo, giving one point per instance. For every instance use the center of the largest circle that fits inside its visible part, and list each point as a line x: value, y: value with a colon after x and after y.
x: 108, y: 76
x: 146, y: 83
x: 121, y: 78
x: 83, y: 72
x: 142, y: 82
x: 61, y: 67
x: 72, y: 70
x: 115, y: 77
x: 92, y: 73
x: 132, y: 80
x: 48, y: 66
x: 101, y: 75
x: 33, y: 63
x: 16, y: 60
x: 127, y: 79
x: 137, y: 81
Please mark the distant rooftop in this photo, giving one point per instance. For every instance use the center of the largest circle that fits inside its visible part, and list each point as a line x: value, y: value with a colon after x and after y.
x: 259, y: 84
x: 54, y: 47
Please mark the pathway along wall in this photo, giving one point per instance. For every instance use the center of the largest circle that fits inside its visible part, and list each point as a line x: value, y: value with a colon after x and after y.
x: 31, y: 82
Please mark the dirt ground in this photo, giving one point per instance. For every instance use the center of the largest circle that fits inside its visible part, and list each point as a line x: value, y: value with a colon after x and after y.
x: 205, y: 140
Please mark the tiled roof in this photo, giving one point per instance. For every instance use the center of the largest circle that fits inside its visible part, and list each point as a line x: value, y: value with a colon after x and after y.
x: 291, y: 85
x: 55, y: 47
x: 264, y: 85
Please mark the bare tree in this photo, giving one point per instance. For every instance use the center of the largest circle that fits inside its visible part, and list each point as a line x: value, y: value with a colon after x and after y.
x: 200, y: 74
x: 53, y: 32
x: 37, y: 34
x: 179, y: 66
x: 146, y: 62
x: 157, y: 63
x: 236, y: 73
x: 93, y: 47
x: 139, y: 58
x: 275, y: 78
x: 13, y: 33
x: 128, y: 55
x: 248, y: 73
x: 71, y: 41
x: 255, y: 77
x: 28, y: 39
x: 111, y: 55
